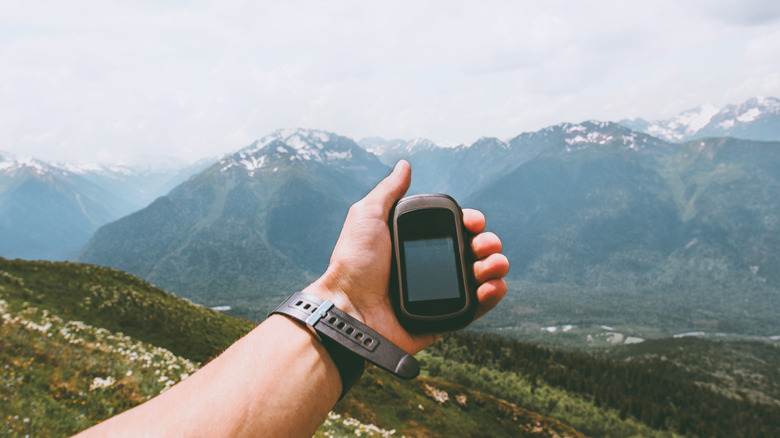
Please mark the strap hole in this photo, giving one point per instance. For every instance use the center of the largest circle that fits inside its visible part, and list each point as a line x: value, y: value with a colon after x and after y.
x: 350, y: 330
x: 307, y: 306
x: 340, y: 325
x: 332, y: 320
x: 298, y: 304
x: 359, y: 336
x: 368, y: 342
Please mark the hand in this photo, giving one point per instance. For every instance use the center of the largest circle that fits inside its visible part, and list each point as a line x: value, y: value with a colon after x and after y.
x: 356, y: 279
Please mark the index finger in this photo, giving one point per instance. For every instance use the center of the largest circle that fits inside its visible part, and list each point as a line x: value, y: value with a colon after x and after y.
x: 474, y: 220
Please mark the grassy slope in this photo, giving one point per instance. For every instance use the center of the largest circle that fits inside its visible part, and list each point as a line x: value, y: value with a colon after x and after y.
x: 427, y: 407
x: 120, y: 302
x: 80, y: 343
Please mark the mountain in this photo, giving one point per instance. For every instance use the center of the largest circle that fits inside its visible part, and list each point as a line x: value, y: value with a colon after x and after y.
x: 250, y: 229
x: 605, y: 225
x: 390, y: 151
x: 50, y: 210
x: 631, y: 231
x: 462, y: 170
x: 602, y: 225
x: 756, y: 119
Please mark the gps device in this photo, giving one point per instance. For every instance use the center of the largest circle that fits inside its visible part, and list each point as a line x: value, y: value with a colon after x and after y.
x: 431, y: 280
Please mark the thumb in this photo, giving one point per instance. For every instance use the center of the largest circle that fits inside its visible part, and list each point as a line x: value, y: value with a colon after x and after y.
x: 392, y: 188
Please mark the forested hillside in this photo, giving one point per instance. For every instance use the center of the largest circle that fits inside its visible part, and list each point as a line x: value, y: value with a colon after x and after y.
x: 672, y: 397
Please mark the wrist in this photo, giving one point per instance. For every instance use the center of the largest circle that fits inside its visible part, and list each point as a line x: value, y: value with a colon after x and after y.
x: 330, y: 287
x: 348, y: 341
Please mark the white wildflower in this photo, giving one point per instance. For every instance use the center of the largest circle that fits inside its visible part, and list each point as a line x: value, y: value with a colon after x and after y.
x: 439, y: 395
x: 98, y: 382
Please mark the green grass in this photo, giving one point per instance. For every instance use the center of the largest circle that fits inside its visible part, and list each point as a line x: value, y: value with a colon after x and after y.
x: 59, y: 377
x: 80, y: 343
x: 120, y: 302
x: 433, y: 407
x: 580, y: 412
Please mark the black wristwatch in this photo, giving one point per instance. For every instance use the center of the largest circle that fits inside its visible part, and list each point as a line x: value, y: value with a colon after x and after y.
x: 348, y: 341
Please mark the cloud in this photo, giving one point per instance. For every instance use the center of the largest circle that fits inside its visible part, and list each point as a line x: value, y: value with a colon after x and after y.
x: 744, y: 12
x: 144, y: 77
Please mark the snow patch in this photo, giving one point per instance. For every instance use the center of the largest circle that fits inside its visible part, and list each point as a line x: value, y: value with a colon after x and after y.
x: 727, y: 124
x: 590, y: 138
x: 749, y: 116
x: 321, y: 136
x: 333, y: 155
x: 696, y: 120
x: 687, y: 334
x: 296, y: 142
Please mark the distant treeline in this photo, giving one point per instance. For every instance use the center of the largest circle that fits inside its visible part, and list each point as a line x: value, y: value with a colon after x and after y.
x: 657, y: 400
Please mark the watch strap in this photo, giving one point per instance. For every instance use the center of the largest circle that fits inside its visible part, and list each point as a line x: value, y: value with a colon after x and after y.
x: 348, y: 340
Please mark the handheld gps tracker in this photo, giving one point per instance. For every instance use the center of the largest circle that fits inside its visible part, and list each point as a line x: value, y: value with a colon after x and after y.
x: 431, y: 280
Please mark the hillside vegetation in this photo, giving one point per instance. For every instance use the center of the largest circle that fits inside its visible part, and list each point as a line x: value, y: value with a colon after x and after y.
x: 666, y: 385
x: 80, y: 343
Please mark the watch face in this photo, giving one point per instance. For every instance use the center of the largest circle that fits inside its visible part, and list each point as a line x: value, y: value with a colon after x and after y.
x: 432, y: 281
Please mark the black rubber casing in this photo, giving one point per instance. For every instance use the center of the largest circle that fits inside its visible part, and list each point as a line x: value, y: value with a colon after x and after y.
x: 431, y: 216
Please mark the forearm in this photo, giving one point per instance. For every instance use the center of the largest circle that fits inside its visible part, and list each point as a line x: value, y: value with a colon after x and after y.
x: 276, y: 381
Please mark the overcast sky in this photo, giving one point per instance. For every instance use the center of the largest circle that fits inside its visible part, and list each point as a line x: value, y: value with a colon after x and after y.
x: 85, y: 81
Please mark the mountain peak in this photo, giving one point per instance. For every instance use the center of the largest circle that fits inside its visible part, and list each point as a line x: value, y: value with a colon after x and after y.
x: 489, y: 142
x: 685, y: 124
x: 10, y: 163
x: 755, y: 119
x: 287, y: 146
x: 393, y: 150
x: 297, y: 139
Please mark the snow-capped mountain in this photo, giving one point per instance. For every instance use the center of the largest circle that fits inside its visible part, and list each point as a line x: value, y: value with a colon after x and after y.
x: 592, y: 210
x: 253, y: 207
x: 390, y: 151
x: 11, y: 164
x: 756, y: 119
x: 570, y: 137
x: 307, y: 147
x: 49, y: 210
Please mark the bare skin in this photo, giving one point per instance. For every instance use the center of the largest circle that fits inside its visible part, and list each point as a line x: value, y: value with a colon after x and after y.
x: 278, y: 380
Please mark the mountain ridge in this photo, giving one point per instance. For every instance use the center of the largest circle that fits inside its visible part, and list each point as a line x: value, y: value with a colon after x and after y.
x: 259, y: 222
x: 50, y: 210
x: 758, y: 118
x: 599, y: 214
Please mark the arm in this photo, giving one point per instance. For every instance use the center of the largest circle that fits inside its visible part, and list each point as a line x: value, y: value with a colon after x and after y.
x: 278, y: 380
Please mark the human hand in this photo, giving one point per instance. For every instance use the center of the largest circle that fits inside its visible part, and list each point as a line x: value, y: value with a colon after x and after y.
x: 357, y: 277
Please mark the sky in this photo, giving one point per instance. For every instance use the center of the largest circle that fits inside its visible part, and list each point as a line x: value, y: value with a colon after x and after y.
x: 112, y: 81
